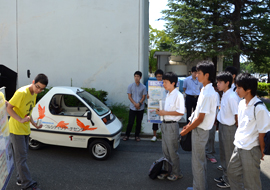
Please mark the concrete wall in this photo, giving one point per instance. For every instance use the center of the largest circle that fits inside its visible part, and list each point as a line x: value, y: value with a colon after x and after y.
x: 180, y: 70
x: 93, y: 43
x: 179, y: 65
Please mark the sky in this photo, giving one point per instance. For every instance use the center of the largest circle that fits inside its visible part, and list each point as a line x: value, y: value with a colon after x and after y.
x: 155, y: 7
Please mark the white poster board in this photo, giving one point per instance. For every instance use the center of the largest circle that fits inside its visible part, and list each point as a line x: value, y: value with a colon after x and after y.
x: 6, y: 157
x: 157, y: 95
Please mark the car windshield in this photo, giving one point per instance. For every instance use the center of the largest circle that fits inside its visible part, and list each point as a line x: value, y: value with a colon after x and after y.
x: 94, y: 103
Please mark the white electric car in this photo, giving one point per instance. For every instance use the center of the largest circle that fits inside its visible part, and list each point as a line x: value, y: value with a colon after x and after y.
x: 73, y: 117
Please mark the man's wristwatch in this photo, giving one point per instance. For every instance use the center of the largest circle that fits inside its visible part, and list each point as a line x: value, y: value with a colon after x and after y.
x: 140, y: 103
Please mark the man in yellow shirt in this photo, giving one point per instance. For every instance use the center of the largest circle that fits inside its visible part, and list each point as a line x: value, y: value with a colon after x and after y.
x: 20, y: 107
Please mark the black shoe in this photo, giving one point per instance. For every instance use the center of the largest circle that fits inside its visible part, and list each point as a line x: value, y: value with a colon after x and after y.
x: 223, y: 185
x: 219, y: 179
x: 19, y: 183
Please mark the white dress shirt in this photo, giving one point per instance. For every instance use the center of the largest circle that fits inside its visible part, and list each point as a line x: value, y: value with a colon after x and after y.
x: 207, y: 103
x: 228, y: 108
x: 247, y: 133
x: 174, y: 102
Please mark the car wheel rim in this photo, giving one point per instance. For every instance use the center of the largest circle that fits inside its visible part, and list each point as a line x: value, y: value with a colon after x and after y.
x: 99, y: 150
x: 33, y: 143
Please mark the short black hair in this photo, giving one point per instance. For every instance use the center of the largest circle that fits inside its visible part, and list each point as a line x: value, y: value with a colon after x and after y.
x: 207, y: 66
x: 194, y: 69
x: 247, y: 81
x: 43, y: 79
x: 232, y: 70
x: 158, y: 72
x: 170, y: 76
x: 138, y: 73
x: 225, y: 76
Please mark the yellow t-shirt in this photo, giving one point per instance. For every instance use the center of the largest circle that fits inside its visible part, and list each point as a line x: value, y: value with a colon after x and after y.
x: 23, y: 102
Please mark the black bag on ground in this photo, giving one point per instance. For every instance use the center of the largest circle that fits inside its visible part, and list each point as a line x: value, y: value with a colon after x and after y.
x: 156, y: 168
x: 185, y: 142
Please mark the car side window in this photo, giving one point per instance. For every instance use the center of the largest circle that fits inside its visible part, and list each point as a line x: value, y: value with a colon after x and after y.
x: 55, y: 105
x: 69, y: 105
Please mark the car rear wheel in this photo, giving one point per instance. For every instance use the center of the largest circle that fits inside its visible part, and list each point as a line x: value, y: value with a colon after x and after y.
x: 100, y: 149
x: 34, y: 144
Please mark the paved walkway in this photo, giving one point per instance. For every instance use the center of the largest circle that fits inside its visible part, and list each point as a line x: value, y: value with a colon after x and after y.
x: 265, y: 100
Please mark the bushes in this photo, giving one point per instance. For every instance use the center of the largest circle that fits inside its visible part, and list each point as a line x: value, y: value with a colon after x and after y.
x: 121, y: 111
x: 40, y: 95
x: 261, y: 93
x: 99, y: 94
x: 263, y: 89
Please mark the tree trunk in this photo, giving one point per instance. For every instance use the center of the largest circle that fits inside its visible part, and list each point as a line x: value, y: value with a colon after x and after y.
x: 236, y: 38
x: 268, y: 80
x: 214, y: 60
x: 236, y: 61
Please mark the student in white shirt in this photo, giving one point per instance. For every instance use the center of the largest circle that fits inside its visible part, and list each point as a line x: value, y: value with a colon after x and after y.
x: 210, y: 146
x: 244, y: 167
x: 227, y: 118
x: 202, y: 121
x: 174, y: 109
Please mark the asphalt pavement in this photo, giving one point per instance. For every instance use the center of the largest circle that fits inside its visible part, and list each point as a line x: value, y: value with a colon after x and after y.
x: 56, y: 167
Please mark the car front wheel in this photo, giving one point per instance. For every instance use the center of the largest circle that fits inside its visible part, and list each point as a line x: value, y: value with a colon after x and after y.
x: 34, y: 144
x: 100, y: 149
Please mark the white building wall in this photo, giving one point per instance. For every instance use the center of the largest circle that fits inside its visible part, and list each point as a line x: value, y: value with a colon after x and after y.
x: 8, y: 50
x: 93, y: 43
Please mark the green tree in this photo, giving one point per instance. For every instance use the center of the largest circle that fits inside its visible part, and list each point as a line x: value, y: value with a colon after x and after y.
x: 263, y: 66
x: 248, y: 67
x: 209, y: 28
x: 159, y: 40
x: 152, y: 61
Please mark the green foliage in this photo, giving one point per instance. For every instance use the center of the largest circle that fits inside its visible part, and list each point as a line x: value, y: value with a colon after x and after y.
x: 208, y: 29
x: 261, y: 93
x: 152, y: 61
x: 268, y: 106
x: 262, y: 64
x: 159, y: 40
x: 40, y: 95
x: 248, y: 67
x: 122, y: 113
x: 99, y: 94
x: 72, y: 101
x: 264, y: 87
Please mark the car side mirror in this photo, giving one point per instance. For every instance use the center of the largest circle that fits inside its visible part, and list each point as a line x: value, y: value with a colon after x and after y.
x: 89, y: 117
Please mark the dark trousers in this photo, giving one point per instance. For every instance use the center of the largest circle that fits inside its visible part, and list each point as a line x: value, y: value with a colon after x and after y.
x: 20, y: 150
x: 191, y: 102
x: 131, y: 118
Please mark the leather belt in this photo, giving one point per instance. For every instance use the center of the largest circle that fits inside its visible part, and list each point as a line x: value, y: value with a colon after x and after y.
x: 169, y: 121
x: 193, y: 96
